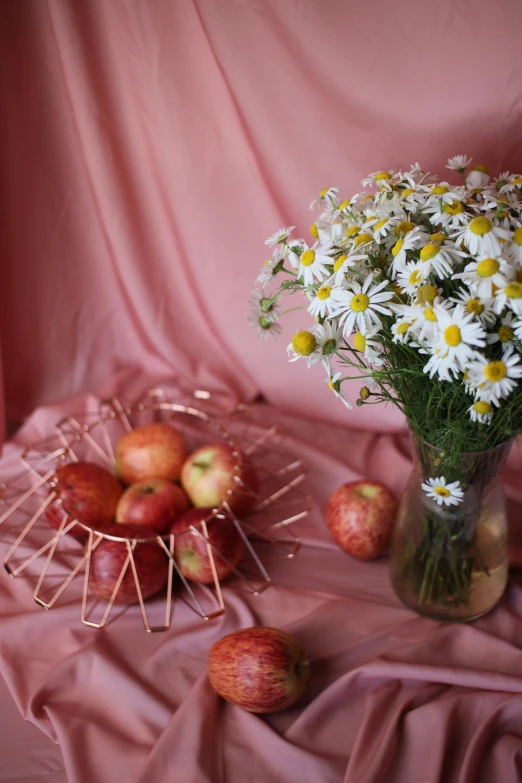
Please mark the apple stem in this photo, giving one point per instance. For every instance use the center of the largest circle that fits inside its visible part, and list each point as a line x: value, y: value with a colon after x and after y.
x: 199, y: 465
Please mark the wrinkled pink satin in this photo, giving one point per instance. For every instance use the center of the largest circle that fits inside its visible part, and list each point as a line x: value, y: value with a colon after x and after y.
x: 147, y: 148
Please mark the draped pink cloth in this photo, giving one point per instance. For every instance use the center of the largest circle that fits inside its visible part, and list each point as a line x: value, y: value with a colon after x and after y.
x: 147, y: 149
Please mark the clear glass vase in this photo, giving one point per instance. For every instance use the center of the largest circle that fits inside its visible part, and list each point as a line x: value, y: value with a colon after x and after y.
x: 450, y: 562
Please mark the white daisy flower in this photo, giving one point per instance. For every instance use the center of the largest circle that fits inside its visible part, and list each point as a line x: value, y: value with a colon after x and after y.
x: 505, y: 334
x: 322, y: 303
x: 478, y: 177
x: 481, y: 275
x: 508, y: 183
x: 382, y: 226
x: 440, y: 257
x: 412, y: 276
x: 280, y: 237
x: 411, y: 241
x: 266, y: 325
x: 482, y: 238
x: 517, y: 327
x: 328, y: 194
x: 423, y: 318
x: 383, y: 179
x: 443, y: 493
x: 328, y: 337
x: 412, y: 196
x: 335, y: 385
x: 344, y: 264
x: 481, y: 412
x: 513, y: 250
x: 458, y: 162
x: 360, y: 305
x: 448, y: 215
x: 480, y: 307
x: 494, y: 380
x: 268, y: 272
x: 263, y: 305
x: 458, y: 336
x: 311, y: 263
x: 303, y: 346
x: 443, y: 192
x: 367, y: 345
x: 401, y: 331
x: 509, y: 294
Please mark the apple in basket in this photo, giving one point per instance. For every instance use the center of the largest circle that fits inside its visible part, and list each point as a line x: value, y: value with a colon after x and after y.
x: 54, y: 516
x: 259, y: 669
x: 154, y: 503
x: 152, y: 451
x: 191, y: 550
x: 109, y: 557
x: 88, y: 493
x: 208, y: 478
x: 360, y: 516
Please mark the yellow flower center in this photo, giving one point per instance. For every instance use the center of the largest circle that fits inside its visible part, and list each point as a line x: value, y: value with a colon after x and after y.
x: 455, y: 208
x: 340, y: 261
x: 439, y: 190
x: 513, y: 290
x: 430, y: 314
x: 324, y: 192
x: 517, y: 236
x: 407, y: 192
x: 352, y: 231
x: 487, y: 267
x: 304, y: 343
x: 267, y: 262
x: 403, y: 328
x: 404, y: 227
x: 367, y: 197
x: 359, y: 302
x: 314, y: 232
x: 362, y: 239
x: 324, y: 292
x: 426, y: 294
x: 506, y: 334
x: 308, y: 257
x: 429, y: 251
x: 442, y: 491
x: 344, y: 204
x: 516, y: 181
x: 481, y: 168
x: 415, y: 277
x: 482, y: 407
x: 474, y: 306
x: 382, y: 175
x: 452, y: 335
x: 331, y: 385
x: 438, y: 237
x: 396, y: 249
x: 495, y: 371
x: 381, y: 223
x: 480, y: 226
x: 359, y: 342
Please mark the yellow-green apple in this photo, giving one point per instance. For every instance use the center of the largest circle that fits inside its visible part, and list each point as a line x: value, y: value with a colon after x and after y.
x: 152, y: 451
x: 191, y: 549
x: 155, y: 503
x: 108, y: 559
x: 208, y: 478
x: 360, y: 516
x: 259, y: 669
x: 88, y: 492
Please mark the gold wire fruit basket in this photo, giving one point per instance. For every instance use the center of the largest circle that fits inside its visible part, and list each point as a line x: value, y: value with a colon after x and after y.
x: 57, y: 562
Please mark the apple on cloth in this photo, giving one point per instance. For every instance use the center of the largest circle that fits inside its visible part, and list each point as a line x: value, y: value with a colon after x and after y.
x: 154, y: 450
x: 109, y: 556
x: 88, y: 493
x: 154, y: 503
x: 259, y: 669
x: 360, y: 516
x: 208, y: 478
x: 191, y: 548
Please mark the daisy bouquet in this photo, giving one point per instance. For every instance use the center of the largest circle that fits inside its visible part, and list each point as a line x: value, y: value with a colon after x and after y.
x: 414, y: 286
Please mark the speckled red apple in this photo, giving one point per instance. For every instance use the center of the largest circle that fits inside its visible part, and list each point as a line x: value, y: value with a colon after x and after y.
x: 190, y: 548
x: 360, y: 516
x: 208, y: 479
x: 155, y: 503
x: 152, y: 451
x: 260, y: 669
x: 88, y: 492
x: 54, y: 516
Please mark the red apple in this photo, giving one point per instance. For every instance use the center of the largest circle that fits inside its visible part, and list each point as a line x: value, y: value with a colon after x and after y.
x: 191, y: 550
x: 109, y: 556
x: 152, y: 451
x: 155, y: 503
x: 208, y: 479
x: 54, y: 516
x: 360, y: 516
x: 88, y: 493
x: 259, y: 669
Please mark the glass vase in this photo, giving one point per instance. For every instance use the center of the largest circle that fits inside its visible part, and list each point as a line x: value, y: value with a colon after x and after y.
x: 450, y: 562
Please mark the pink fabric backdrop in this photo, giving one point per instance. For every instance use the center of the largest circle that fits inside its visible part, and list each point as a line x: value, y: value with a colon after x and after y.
x: 147, y: 148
